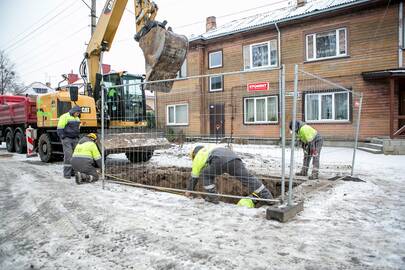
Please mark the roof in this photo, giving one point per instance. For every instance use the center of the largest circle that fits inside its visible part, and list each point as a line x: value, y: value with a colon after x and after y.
x: 383, y: 74
x: 277, y: 16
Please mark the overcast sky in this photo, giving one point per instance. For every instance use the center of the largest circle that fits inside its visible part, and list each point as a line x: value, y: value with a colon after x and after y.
x: 47, y: 38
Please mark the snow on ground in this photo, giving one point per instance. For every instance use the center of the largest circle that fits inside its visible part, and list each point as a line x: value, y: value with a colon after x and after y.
x: 48, y: 222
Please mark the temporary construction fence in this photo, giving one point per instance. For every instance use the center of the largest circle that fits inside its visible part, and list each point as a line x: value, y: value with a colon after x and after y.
x: 246, y: 111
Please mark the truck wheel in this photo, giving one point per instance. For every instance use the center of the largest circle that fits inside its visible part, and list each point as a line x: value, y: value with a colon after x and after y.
x: 45, y: 148
x: 136, y: 157
x: 20, y: 144
x: 10, y: 141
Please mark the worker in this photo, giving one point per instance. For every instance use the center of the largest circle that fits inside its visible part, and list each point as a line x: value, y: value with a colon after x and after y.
x: 86, y: 159
x: 214, y: 161
x: 113, y: 103
x: 311, y: 142
x: 68, y: 131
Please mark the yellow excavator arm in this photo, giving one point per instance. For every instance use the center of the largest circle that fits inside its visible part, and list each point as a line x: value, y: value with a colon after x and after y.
x: 164, y: 51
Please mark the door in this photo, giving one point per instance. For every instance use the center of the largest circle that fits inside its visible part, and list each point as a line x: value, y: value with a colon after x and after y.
x: 401, y: 104
x: 217, y: 120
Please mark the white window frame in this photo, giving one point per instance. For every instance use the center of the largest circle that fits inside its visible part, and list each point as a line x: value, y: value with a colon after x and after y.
x: 313, y: 36
x: 268, y: 56
x: 222, y: 84
x: 266, y: 98
x: 167, y: 115
x: 320, y: 120
x: 209, y: 59
x: 180, y: 74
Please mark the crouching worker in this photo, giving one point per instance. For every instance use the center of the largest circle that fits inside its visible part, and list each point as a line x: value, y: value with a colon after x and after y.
x: 311, y: 144
x: 86, y: 158
x: 214, y: 161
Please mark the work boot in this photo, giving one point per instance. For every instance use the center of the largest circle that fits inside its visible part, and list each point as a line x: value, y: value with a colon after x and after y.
x: 314, y: 176
x: 264, y: 194
x: 78, y: 178
x: 303, y: 172
x: 212, y: 198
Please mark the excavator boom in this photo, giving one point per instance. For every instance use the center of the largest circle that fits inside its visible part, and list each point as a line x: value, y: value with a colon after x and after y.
x: 164, y: 50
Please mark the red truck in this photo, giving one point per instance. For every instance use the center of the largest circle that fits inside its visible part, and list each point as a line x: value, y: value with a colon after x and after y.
x: 16, y: 114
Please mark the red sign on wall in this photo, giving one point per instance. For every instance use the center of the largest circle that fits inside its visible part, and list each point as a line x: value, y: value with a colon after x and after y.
x: 261, y: 86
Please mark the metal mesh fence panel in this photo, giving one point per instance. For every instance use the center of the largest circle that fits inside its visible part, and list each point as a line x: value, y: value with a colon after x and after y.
x: 148, y: 136
x: 334, y: 110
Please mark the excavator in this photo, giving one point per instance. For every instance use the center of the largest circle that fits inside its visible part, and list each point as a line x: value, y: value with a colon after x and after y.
x: 164, y: 53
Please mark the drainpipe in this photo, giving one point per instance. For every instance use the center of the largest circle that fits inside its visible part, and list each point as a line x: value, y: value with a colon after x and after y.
x: 400, y: 35
x: 279, y: 71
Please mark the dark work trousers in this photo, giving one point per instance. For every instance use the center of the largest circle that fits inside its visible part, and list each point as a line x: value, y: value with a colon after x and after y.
x: 312, y: 150
x: 69, y: 145
x: 234, y: 168
x: 86, y: 167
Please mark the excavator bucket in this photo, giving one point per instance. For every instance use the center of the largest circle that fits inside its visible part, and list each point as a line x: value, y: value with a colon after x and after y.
x: 164, y: 53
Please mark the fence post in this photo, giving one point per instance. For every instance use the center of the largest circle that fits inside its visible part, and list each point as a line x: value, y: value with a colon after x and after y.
x: 282, y: 96
x: 102, y: 122
x: 294, y: 117
x: 356, y: 141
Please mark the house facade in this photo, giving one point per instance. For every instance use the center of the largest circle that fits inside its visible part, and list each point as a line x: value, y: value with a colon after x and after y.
x: 357, y: 44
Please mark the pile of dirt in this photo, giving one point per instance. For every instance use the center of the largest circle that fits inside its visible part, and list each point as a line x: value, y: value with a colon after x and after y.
x: 177, y: 177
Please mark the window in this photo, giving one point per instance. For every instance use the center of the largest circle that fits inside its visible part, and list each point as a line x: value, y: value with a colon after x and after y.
x: 182, y: 73
x: 216, y: 83
x: 328, y: 44
x: 261, y: 110
x: 215, y: 59
x: 260, y: 55
x: 177, y: 114
x: 327, y: 107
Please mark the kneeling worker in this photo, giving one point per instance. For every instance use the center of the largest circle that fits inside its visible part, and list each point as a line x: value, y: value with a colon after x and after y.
x: 214, y: 161
x: 86, y: 158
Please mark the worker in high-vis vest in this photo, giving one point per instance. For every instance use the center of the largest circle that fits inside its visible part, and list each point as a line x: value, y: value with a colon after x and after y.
x: 68, y: 130
x: 86, y: 159
x: 212, y: 161
x: 311, y: 143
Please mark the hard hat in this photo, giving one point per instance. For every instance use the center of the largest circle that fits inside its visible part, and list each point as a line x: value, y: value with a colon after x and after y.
x: 247, y: 202
x: 195, y: 150
x: 92, y: 136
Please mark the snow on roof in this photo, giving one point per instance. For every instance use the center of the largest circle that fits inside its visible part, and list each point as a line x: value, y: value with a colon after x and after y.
x: 273, y: 16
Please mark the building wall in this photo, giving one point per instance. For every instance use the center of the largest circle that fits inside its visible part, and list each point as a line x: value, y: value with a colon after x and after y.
x: 372, y: 45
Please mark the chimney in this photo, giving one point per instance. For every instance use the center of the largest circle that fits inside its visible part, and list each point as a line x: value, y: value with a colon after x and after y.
x: 211, y: 23
x: 301, y: 3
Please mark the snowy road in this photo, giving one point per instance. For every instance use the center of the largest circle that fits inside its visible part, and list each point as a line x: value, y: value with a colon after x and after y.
x: 47, y: 222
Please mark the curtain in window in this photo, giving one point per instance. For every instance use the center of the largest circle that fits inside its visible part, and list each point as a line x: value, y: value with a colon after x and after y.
x: 341, y: 111
x: 272, y: 109
x: 273, y: 52
x: 260, y: 55
x: 342, y: 41
x: 326, y: 112
x: 181, y: 114
x: 310, y: 47
x: 171, y: 115
x: 250, y: 113
x: 326, y: 44
x: 312, y: 107
x: 261, y: 109
x: 246, y: 57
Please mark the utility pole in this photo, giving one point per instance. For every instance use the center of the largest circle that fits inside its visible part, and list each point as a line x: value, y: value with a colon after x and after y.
x: 93, y: 16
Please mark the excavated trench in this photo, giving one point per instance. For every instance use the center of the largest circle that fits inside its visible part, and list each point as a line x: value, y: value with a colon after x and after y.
x: 177, y: 178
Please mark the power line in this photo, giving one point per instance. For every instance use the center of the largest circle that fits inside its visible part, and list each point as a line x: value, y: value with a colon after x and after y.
x: 45, y: 49
x: 13, y: 45
x: 29, y: 28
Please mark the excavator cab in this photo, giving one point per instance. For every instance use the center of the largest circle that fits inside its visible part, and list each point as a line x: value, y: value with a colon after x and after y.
x: 125, y: 100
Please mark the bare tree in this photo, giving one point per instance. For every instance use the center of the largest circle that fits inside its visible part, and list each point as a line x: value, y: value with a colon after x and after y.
x: 8, y: 77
